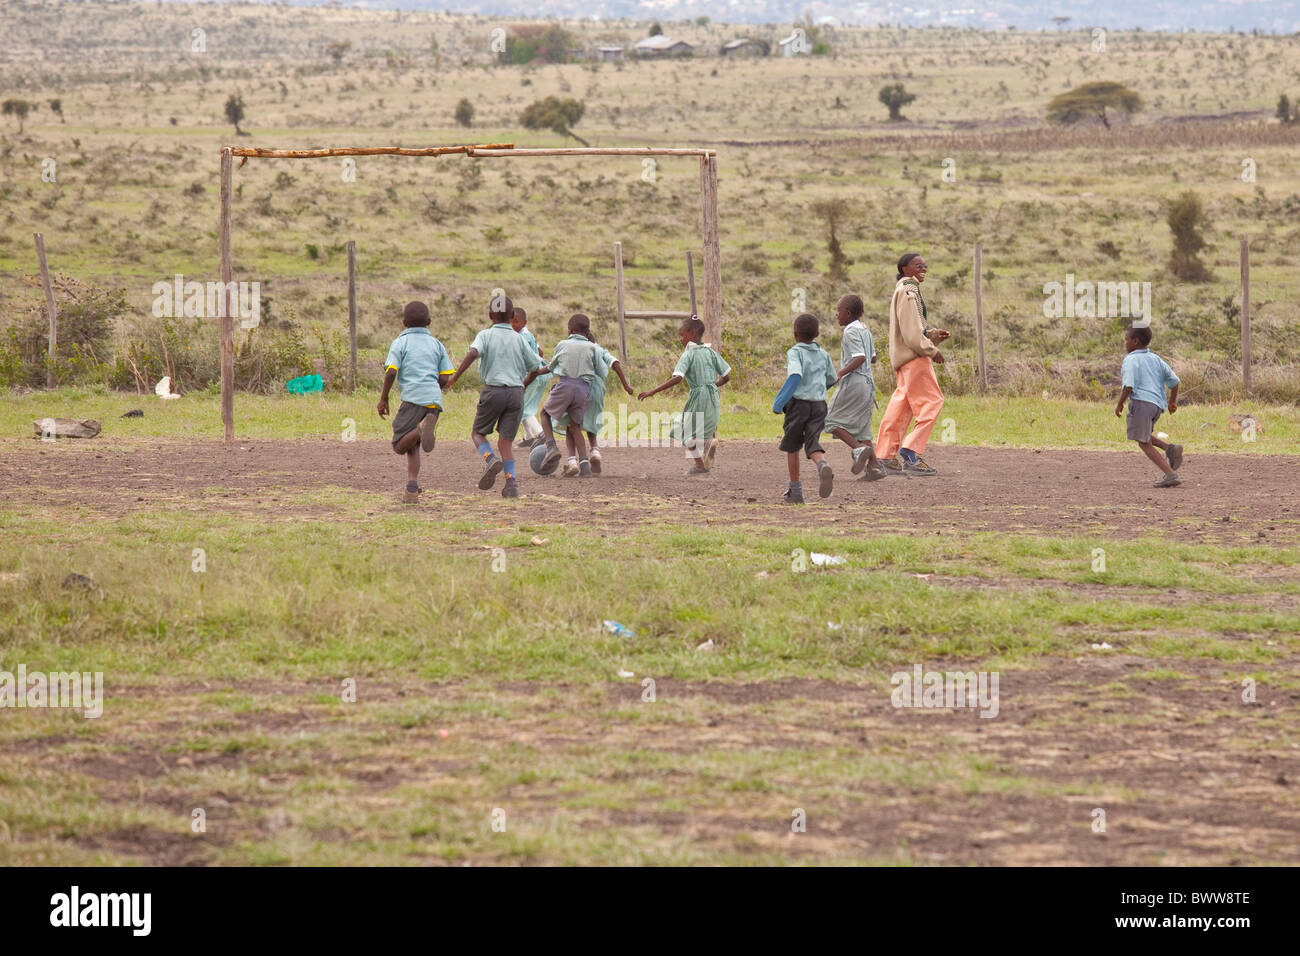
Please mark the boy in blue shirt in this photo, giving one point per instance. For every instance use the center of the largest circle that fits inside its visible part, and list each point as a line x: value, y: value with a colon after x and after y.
x: 803, y: 400
x: 420, y: 366
x: 1144, y: 376
x: 504, y: 358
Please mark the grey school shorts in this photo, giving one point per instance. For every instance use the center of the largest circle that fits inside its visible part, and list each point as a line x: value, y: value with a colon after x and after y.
x: 568, y: 397
x: 500, y: 409
x: 1141, y: 419
x: 803, y: 426
x: 408, y: 417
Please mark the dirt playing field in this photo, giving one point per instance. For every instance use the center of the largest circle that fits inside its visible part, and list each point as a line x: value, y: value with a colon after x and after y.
x: 1185, y: 773
x: 1226, y: 498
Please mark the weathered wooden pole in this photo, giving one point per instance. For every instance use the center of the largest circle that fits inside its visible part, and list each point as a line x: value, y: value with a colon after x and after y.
x: 1245, y: 314
x: 49, y: 303
x: 618, y: 301
x: 712, y: 314
x: 979, y: 314
x: 690, y: 280
x: 228, y: 298
x: 352, y: 315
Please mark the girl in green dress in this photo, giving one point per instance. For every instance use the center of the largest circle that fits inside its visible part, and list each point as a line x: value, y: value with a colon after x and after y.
x: 703, y: 370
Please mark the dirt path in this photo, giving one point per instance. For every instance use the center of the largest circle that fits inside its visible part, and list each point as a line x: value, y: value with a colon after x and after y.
x: 1226, y: 498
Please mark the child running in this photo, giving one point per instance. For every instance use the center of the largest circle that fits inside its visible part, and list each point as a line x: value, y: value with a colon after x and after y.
x: 596, y: 405
x: 505, y: 357
x: 576, y: 361
x: 1145, y: 376
x: 420, y: 366
x: 803, y: 400
x: 704, y: 371
x: 849, y: 415
x: 536, y: 389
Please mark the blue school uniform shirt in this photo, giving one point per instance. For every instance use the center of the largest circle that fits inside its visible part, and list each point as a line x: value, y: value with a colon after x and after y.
x: 1148, y: 375
x: 504, y: 356
x: 810, y: 362
x: 419, y: 359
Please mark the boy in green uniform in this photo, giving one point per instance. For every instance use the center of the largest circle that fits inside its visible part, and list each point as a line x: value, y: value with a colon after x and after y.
x: 803, y: 400
x: 504, y: 359
x: 576, y: 361
x: 596, y: 405
x: 704, y: 371
x: 420, y: 366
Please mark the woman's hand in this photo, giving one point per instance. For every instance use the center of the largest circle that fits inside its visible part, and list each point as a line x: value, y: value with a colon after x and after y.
x: 938, y: 335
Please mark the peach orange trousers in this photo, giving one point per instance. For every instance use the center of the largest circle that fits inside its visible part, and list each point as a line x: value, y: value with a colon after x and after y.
x: 917, y: 396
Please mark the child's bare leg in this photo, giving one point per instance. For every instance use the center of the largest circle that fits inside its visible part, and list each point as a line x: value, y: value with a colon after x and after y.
x: 478, y: 440
x: 817, y: 457
x: 591, y: 440
x: 413, y: 466
x: 570, y: 445
x: 843, y: 435
x: 1162, y: 445
x: 792, y: 464
x: 506, y: 449
x: 1154, y: 454
x: 407, y: 442
x: 576, y: 441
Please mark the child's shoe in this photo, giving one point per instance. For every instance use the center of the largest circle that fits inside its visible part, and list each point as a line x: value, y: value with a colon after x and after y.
x: 1174, y: 454
x: 584, y: 468
x: 894, y: 468
x: 860, y: 459
x: 571, y: 468
x: 427, y: 429
x: 917, y: 466
x: 552, y: 456
x: 595, y: 461
x: 510, y: 489
x: 412, y: 493
x: 793, y: 495
x: 825, y: 480
x: 492, y: 466
x: 1168, y: 481
x: 526, y: 443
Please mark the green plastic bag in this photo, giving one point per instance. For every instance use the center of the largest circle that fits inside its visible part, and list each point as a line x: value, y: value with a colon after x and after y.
x: 304, y: 384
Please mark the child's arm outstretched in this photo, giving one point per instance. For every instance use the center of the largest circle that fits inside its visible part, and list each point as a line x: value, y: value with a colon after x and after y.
x: 787, y: 390
x: 465, y: 363
x: 1123, y: 397
x: 655, y: 391
x: 618, y: 370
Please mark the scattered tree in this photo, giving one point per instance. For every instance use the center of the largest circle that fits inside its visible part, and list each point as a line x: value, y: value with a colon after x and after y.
x: 895, y: 97
x: 1060, y: 21
x: 1284, y: 111
x: 656, y: 30
x: 1092, y: 99
x: 537, y: 41
x: 701, y: 21
x: 337, y: 49
x: 56, y: 107
x: 833, y: 211
x: 1186, y: 218
x: 19, y: 109
x: 555, y: 114
x: 235, y: 112
x: 465, y: 112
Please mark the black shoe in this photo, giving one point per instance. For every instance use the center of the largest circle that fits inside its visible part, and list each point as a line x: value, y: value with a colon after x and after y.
x: 510, y: 489
x: 491, y: 468
x: 793, y: 496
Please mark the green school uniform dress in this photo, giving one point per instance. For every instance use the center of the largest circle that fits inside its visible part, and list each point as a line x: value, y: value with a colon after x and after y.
x: 595, y: 398
x: 535, y: 389
x: 855, y: 396
x: 699, y: 367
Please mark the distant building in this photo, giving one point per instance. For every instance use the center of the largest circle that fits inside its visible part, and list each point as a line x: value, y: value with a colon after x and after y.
x: 794, y: 44
x: 742, y: 46
x: 662, y: 46
x: 609, y: 53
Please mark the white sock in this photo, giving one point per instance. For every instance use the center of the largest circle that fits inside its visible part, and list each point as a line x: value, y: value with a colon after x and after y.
x: 532, y: 427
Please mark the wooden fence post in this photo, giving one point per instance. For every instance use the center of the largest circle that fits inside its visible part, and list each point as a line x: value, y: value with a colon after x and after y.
x: 979, y: 314
x: 352, y: 315
x: 228, y: 313
x: 49, y: 302
x: 712, y: 315
x: 690, y: 281
x: 618, y: 296
x: 1245, y: 314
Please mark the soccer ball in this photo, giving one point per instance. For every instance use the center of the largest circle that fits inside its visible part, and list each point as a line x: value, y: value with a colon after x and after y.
x: 537, y: 456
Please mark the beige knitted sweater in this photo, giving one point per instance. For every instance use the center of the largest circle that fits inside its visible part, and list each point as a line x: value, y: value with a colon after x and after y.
x: 907, y: 329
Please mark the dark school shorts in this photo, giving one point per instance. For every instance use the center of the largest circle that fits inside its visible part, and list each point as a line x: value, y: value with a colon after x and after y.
x: 500, y: 409
x: 408, y: 417
x: 568, y: 397
x: 803, y: 425
x: 1141, y: 419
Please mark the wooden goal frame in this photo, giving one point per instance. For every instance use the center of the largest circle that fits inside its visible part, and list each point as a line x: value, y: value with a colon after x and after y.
x: 711, y: 312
